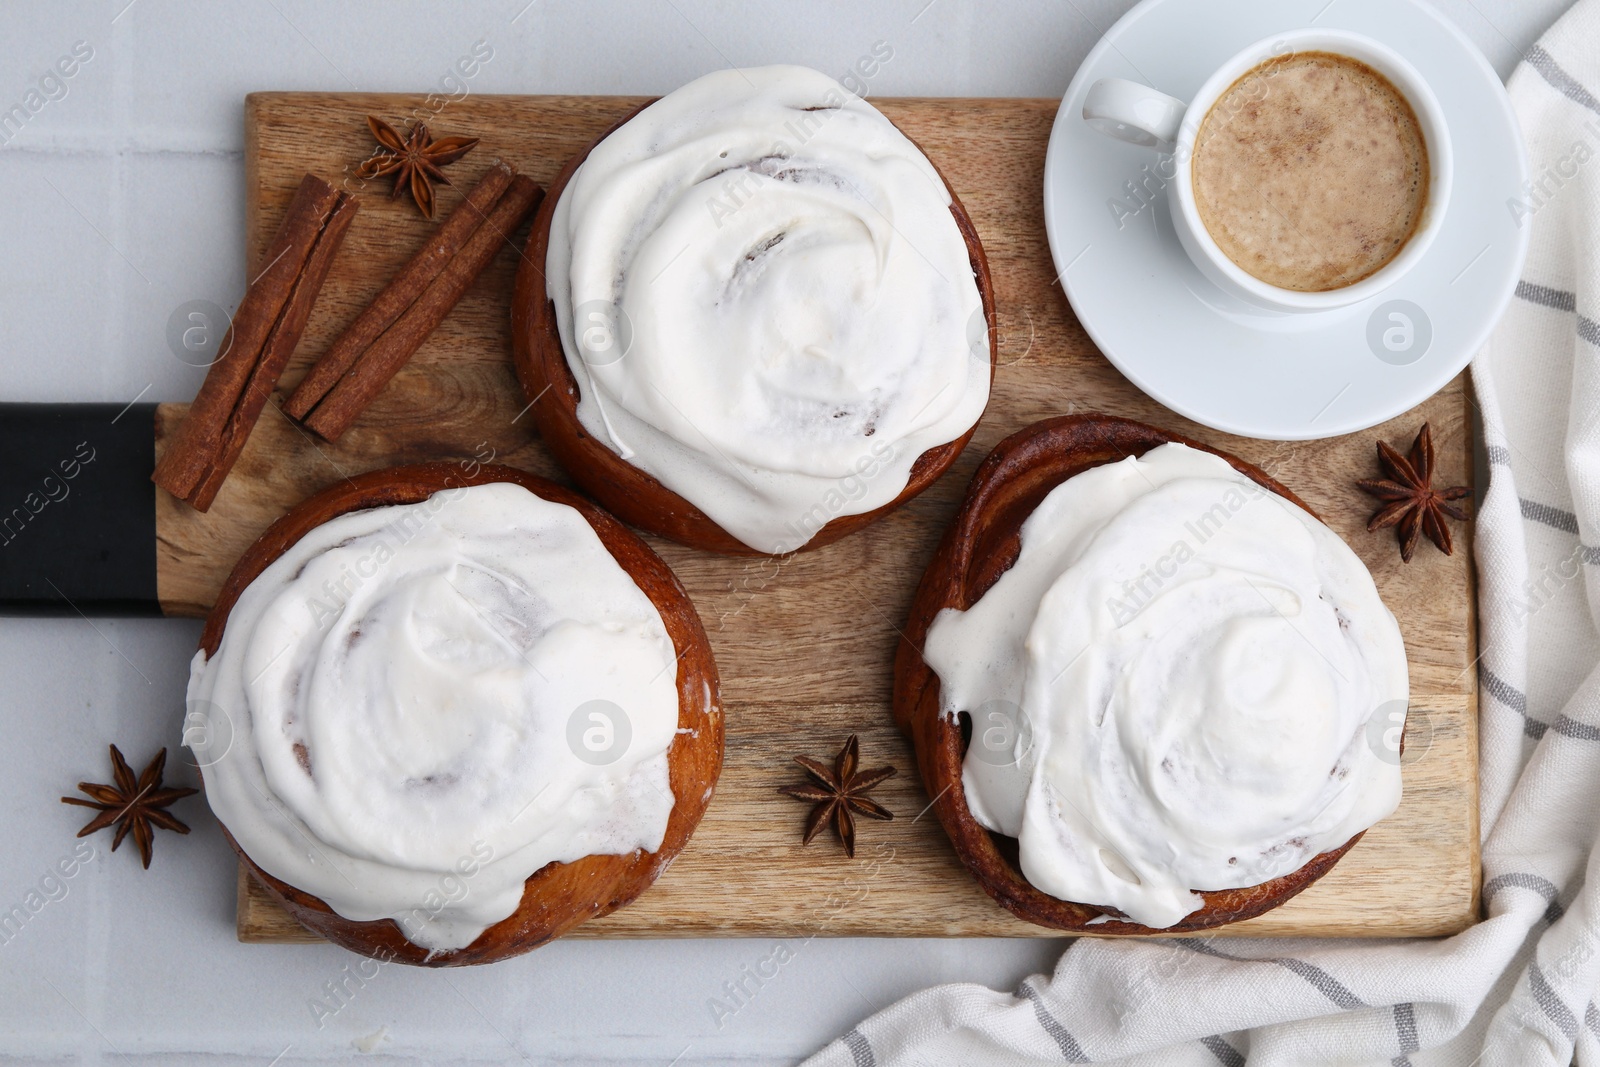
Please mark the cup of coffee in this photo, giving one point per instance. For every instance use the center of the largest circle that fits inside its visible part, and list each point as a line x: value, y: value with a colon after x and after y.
x: 1310, y: 172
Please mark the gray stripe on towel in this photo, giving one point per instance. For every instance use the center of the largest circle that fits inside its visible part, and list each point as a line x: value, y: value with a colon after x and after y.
x: 1549, y: 1003
x: 1070, y: 1050
x: 1551, y: 71
x: 1405, y: 1028
x: 1321, y: 980
x: 1534, y: 511
x: 1588, y: 330
x: 860, y: 1049
x: 1580, y: 731
x: 1225, y: 1053
x: 1545, y: 296
x: 1511, y: 697
x: 1502, y: 690
x: 1532, y: 882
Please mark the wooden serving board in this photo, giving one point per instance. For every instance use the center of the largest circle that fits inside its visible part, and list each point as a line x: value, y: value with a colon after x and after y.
x: 805, y: 645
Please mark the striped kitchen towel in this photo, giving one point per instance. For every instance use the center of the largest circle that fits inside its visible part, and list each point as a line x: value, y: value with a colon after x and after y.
x: 1519, y: 989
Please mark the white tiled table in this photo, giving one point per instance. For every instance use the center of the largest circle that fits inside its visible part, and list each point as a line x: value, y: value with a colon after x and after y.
x: 121, y: 200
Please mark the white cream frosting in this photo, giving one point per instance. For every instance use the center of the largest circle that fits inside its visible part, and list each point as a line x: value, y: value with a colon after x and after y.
x: 433, y: 665
x: 766, y: 302
x: 1191, y: 667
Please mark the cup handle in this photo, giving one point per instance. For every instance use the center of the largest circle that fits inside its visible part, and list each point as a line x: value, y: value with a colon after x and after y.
x: 1134, y: 113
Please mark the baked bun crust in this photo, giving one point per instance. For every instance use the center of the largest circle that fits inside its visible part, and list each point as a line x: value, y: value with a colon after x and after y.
x: 982, y: 544
x: 558, y: 896
x: 626, y: 491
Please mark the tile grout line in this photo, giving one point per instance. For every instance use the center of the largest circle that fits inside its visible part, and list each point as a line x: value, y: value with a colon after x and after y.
x: 96, y: 973
x: 117, y: 199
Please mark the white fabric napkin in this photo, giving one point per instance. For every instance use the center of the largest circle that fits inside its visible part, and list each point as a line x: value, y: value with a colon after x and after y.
x: 1519, y: 988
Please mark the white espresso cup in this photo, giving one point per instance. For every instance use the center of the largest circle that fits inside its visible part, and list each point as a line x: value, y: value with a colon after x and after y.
x: 1140, y: 115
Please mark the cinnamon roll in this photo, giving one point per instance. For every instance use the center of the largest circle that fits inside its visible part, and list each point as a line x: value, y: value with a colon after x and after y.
x: 1153, y: 673
x: 762, y: 318
x: 446, y: 718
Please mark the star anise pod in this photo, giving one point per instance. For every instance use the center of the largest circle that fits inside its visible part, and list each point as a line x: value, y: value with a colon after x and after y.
x: 1413, y: 504
x: 136, y: 804
x: 414, y: 160
x: 839, y: 793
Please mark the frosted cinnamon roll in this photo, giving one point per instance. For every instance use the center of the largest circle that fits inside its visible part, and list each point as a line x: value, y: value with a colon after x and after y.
x: 1181, y: 685
x: 768, y: 306
x: 415, y: 708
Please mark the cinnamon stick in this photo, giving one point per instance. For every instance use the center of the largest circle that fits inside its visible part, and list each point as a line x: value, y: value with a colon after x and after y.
x: 265, y: 329
x: 401, y: 292
x: 332, y: 414
x: 279, y: 348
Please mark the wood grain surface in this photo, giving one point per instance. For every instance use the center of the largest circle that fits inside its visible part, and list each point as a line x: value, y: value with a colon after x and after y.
x: 805, y: 645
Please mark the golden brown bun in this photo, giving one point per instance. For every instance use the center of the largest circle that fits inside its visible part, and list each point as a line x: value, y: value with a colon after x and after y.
x: 623, y: 489
x: 558, y: 896
x: 980, y: 546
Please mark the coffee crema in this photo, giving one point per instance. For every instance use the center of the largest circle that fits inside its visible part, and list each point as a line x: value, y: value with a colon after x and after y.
x: 1311, y: 171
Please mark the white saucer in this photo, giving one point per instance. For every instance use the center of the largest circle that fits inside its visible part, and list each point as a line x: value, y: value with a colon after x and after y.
x: 1228, y: 364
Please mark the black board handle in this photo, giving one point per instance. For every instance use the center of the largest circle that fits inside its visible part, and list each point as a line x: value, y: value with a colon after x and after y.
x: 77, y: 509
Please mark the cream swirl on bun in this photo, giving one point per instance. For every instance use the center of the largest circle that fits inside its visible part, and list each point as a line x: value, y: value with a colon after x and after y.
x: 1185, y: 682
x: 766, y: 302
x: 419, y: 698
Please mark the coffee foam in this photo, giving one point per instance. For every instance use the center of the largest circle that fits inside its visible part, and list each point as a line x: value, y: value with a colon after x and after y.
x: 1311, y: 171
